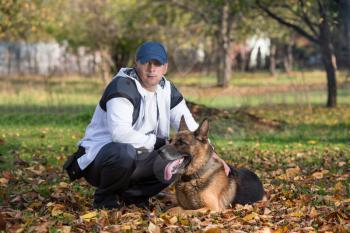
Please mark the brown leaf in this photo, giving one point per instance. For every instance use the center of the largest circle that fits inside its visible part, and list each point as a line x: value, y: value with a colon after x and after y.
x: 292, y: 172
x: 313, y: 213
x: 43, y: 228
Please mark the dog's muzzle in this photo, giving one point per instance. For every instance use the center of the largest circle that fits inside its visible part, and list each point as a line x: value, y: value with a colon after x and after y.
x: 177, y: 160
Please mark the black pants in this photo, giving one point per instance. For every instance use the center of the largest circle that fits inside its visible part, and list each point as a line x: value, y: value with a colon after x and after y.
x: 119, y: 171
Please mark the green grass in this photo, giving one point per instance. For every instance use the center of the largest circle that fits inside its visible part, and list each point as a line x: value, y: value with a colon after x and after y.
x: 42, y: 120
x: 47, y: 117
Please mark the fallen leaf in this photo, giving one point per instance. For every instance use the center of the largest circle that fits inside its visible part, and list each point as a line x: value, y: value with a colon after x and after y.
x: 152, y: 228
x: 212, y: 229
x: 339, y: 187
x: 281, y: 230
x: 297, y: 214
x: 89, y: 216
x: 264, y: 230
x: 126, y: 228
x: 313, y: 213
x: 43, y: 228
x: 320, y: 174
x: 184, y: 222
x: 3, y: 181
x: 292, y: 172
x: 57, y: 209
x: 65, y: 229
x: 248, y: 217
x: 63, y: 185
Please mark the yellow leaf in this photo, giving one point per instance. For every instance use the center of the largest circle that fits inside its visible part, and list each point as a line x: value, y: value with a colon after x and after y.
x: 212, y: 229
x: 281, y: 230
x: 296, y: 214
x: 126, y: 228
x: 339, y: 187
x: 173, y: 220
x: 311, y: 142
x: 57, y: 210
x: 152, y: 228
x: 185, y: 222
x: 87, y: 217
x: 250, y: 216
x: 63, y: 185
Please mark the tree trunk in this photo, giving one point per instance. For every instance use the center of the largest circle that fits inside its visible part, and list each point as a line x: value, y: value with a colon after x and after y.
x: 106, y: 64
x: 224, y: 48
x: 288, y: 58
x: 272, y: 59
x: 329, y: 62
x: 345, y: 12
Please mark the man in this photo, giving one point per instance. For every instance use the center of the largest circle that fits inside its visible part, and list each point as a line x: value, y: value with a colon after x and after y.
x: 118, y: 153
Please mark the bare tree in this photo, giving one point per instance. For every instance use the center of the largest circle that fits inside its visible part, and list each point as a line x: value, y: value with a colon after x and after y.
x: 314, y: 20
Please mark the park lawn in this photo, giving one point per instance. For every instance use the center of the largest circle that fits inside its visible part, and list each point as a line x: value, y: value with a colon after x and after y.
x: 304, y: 165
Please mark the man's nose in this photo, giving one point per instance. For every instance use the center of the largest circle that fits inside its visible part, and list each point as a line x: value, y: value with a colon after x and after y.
x: 150, y: 66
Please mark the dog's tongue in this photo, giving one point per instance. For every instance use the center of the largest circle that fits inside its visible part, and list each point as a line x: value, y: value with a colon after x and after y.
x: 171, y: 168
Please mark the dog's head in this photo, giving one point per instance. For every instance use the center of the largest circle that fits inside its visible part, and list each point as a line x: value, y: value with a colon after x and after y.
x: 186, y: 148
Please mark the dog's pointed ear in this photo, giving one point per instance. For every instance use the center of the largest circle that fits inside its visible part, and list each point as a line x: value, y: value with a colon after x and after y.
x: 203, y: 130
x: 183, y: 125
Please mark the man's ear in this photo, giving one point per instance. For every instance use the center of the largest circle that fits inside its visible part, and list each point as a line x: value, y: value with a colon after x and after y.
x: 183, y: 125
x: 203, y: 130
x: 165, y: 68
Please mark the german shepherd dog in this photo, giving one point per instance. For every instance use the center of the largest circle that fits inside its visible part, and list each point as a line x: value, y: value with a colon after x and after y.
x: 202, y: 183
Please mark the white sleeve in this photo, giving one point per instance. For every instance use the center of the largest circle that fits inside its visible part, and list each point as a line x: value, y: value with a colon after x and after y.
x: 177, y: 112
x: 119, y: 123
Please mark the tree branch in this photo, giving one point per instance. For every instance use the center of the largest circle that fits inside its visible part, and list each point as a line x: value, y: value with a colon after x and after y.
x: 288, y: 24
x: 306, y: 18
x: 188, y: 8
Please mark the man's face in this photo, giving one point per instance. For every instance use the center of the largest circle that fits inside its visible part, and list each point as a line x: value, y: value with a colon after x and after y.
x: 151, y: 73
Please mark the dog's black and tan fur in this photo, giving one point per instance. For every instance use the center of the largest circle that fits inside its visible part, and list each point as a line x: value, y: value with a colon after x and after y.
x: 202, y: 183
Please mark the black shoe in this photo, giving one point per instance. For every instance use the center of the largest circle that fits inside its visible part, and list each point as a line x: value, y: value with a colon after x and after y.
x: 140, y: 202
x: 106, y: 202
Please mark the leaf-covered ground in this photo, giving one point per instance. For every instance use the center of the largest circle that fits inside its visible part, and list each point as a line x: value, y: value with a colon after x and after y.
x: 301, y: 153
x: 306, y: 180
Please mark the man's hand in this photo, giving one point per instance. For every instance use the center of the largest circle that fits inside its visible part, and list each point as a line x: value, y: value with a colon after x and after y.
x: 226, y: 167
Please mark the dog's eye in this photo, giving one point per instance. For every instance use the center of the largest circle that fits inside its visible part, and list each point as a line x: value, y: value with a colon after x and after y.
x: 180, y: 142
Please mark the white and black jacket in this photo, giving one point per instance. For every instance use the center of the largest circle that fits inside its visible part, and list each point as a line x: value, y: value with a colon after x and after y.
x: 120, y: 112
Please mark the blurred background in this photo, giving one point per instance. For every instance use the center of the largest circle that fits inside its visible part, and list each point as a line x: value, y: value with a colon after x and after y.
x: 221, y: 53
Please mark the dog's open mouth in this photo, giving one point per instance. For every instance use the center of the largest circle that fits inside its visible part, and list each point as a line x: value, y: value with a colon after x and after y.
x: 174, y: 166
